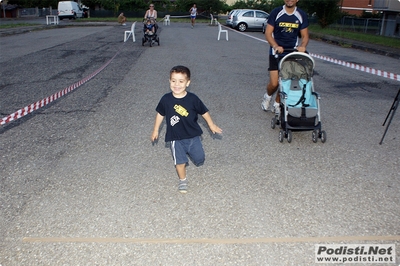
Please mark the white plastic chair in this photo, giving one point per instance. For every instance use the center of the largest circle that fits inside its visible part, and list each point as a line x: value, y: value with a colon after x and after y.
x: 220, y: 30
x: 213, y: 20
x: 128, y: 33
x: 166, y: 20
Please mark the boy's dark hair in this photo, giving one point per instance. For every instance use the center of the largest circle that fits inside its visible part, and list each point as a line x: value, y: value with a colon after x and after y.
x: 180, y: 69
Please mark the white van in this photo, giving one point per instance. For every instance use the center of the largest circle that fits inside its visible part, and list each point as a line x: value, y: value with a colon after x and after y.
x: 69, y: 9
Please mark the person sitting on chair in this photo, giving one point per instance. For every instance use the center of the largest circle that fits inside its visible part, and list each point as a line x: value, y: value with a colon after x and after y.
x: 122, y: 19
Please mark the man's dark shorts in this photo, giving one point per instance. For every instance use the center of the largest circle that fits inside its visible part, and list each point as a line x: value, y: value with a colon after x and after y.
x: 274, y: 62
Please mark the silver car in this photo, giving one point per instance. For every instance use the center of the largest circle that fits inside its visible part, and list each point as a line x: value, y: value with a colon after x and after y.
x: 229, y: 20
x: 249, y: 19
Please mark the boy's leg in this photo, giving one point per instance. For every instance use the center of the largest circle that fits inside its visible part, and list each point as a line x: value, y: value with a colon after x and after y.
x: 178, y: 150
x: 183, y: 184
x: 181, y: 171
x: 196, y: 151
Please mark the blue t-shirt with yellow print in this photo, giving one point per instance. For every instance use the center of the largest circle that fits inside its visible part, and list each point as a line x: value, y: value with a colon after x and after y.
x: 181, y: 115
x: 287, y: 26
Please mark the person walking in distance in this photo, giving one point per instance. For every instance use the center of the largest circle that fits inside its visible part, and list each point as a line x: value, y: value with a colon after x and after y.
x: 181, y: 109
x: 193, y: 14
x: 284, y: 26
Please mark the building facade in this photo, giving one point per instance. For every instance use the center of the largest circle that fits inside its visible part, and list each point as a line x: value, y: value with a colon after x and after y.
x: 357, y: 7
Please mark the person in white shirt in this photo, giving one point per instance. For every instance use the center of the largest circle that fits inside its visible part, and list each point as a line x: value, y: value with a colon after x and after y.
x: 193, y: 14
x: 151, y: 13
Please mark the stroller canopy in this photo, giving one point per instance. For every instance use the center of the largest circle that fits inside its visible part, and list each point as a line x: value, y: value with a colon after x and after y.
x: 296, y: 66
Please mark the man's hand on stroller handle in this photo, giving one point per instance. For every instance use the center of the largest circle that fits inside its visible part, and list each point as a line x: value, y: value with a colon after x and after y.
x: 301, y: 49
x: 279, y: 50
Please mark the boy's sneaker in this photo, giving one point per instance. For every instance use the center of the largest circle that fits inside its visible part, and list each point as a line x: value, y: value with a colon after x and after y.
x: 182, y: 187
x: 265, y: 102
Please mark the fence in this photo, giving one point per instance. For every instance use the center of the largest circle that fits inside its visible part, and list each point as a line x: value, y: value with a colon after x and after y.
x: 364, y: 25
x: 42, y: 12
x: 374, y: 26
x: 36, y: 12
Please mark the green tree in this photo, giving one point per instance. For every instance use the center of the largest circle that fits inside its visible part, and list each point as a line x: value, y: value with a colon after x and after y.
x: 327, y: 11
x: 265, y: 5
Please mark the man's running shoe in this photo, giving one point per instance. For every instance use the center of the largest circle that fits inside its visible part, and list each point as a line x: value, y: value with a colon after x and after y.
x: 265, y: 102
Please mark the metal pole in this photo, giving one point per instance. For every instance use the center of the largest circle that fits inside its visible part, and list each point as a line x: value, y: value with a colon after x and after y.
x: 4, y: 8
x: 391, y: 113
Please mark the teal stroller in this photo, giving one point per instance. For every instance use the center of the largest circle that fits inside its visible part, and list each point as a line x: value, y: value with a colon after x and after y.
x: 299, y: 107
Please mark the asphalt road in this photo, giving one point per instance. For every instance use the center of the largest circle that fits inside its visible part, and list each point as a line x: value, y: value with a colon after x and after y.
x: 81, y: 183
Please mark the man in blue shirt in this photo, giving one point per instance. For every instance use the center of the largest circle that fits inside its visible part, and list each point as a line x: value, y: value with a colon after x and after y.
x: 284, y: 26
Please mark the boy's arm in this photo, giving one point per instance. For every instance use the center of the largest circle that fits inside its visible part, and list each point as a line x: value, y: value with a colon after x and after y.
x: 157, y: 124
x: 213, y: 127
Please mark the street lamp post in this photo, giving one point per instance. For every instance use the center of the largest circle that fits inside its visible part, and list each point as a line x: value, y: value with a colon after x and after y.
x: 4, y: 8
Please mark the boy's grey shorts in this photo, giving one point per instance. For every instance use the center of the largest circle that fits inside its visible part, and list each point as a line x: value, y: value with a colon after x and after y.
x: 184, y: 149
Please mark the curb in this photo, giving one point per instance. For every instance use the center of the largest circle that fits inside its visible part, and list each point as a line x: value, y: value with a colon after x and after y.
x: 19, y: 30
x: 376, y: 49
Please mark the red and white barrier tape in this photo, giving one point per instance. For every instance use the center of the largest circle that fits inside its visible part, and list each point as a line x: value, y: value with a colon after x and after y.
x: 39, y: 104
x: 381, y: 73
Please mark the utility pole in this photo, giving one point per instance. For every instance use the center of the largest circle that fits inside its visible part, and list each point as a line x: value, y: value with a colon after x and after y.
x: 3, y: 3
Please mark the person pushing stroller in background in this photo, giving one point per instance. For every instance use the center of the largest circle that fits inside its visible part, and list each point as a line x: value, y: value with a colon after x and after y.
x: 150, y: 32
x: 149, y: 27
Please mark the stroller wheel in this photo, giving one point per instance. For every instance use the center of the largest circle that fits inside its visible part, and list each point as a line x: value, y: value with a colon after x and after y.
x: 315, y: 136
x: 323, y: 136
x: 143, y: 41
x: 289, y: 136
x: 273, y: 122
x: 151, y: 43
x: 281, y: 135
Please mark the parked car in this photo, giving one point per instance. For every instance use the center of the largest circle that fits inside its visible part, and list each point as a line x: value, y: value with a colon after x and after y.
x: 249, y: 19
x: 264, y: 25
x: 69, y: 9
x: 230, y: 17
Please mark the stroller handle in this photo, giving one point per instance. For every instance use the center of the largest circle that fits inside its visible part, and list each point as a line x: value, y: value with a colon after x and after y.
x: 289, y: 50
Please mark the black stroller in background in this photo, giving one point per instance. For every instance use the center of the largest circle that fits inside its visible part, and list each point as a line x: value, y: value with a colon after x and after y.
x: 150, y: 35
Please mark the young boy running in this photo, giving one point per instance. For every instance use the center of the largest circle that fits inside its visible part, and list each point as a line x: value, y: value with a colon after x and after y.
x: 181, y: 109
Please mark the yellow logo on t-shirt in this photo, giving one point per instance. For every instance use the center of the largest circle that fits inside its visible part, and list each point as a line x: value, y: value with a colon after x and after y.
x: 181, y: 110
x: 288, y: 27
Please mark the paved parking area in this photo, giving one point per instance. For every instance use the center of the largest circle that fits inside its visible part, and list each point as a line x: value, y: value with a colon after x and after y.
x: 104, y: 195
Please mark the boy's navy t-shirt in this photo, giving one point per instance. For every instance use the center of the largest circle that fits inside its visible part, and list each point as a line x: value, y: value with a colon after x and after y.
x: 181, y: 115
x: 287, y: 26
